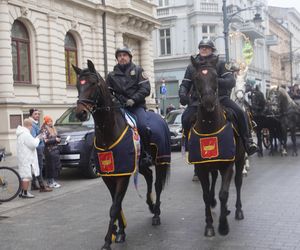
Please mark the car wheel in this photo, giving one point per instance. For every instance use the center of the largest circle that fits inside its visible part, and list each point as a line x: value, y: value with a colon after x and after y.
x: 90, y: 171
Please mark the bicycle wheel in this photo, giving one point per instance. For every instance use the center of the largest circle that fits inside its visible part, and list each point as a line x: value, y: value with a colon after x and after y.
x: 10, y: 184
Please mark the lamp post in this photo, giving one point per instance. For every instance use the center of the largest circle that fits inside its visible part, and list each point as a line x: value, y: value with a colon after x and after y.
x: 227, y: 20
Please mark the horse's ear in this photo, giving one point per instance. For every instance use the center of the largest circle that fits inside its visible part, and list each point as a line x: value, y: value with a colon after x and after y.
x: 193, y: 61
x: 76, y: 69
x: 91, y: 66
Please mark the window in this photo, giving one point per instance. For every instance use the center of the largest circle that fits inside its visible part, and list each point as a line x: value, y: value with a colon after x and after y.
x: 165, y: 42
x: 162, y: 3
x: 70, y: 58
x: 20, y: 53
x: 208, y: 31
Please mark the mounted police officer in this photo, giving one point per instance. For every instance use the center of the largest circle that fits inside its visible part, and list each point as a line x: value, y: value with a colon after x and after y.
x: 226, y: 82
x: 130, y: 85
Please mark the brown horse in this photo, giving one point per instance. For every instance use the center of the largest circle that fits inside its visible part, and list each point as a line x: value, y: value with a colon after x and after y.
x: 210, y: 121
x: 112, y: 132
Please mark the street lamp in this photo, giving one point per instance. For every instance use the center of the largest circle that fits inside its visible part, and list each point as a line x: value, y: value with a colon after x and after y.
x: 227, y: 20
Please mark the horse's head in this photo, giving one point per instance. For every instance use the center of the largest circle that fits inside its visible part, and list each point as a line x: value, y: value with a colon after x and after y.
x: 92, y: 91
x: 206, y: 82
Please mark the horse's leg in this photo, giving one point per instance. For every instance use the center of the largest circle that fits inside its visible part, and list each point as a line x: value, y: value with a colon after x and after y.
x: 293, y: 138
x: 226, y: 174
x: 214, y: 176
x: 259, y: 140
x: 147, y: 173
x: 246, y: 167
x: 121, y: 185
x: 203, y: 175
x: 160, y: 180
x: 284, y: 142
x: 238, y: 181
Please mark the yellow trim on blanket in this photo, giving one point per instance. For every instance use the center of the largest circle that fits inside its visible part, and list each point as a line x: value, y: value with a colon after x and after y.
x: 156, y: 155
x: 210, y: 161
x: 115, y: 143
x: 214, y: 133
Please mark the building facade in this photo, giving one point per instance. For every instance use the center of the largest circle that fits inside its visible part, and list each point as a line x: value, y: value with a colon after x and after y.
x: 289, y: 18
x: 40, y: 40
x: 185, y: 22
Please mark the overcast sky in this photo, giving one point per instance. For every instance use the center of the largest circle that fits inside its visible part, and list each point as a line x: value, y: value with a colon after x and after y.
x: 285, y: 3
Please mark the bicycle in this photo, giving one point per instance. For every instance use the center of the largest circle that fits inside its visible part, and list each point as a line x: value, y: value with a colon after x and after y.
x: 10, y: 181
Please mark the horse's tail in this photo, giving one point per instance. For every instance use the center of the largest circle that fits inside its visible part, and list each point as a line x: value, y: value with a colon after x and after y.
x: 163, y: 173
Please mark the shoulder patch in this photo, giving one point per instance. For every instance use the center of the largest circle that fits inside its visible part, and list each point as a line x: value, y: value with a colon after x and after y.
x: 228, y: 66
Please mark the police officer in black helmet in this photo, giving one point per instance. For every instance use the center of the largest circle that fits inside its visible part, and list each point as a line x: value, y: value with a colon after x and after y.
x: 131, y: 86
x: 226, y: 82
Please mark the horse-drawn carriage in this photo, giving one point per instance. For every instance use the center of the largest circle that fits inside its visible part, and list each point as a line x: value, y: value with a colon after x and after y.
x: 276, y: 116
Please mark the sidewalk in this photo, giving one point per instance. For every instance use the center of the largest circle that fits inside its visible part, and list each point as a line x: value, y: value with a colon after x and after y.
x: 70, y: 184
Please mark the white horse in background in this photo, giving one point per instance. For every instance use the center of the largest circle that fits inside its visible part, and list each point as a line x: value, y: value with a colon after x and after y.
x: 238, y: 94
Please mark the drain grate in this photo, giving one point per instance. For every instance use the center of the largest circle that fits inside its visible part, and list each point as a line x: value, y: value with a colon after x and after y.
x: 3, y: 217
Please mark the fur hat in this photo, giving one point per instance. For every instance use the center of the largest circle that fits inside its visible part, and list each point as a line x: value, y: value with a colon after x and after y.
x: 47, y: 119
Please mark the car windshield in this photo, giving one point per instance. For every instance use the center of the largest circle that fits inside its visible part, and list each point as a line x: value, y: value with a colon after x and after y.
x: 173, y: 118
x: 69, y: 118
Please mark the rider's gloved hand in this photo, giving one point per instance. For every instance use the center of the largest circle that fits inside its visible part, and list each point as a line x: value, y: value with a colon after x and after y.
x: 130, y: 103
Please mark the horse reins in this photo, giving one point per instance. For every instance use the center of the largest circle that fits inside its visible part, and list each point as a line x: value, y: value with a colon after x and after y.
x: 93, y: 105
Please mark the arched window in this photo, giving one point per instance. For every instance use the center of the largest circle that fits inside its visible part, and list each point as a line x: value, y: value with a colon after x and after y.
x: 20, y: 53
x: 71, y: 58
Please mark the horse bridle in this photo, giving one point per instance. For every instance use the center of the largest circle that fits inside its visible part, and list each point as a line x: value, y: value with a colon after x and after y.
x: 206, y: 67
x: 92, y: 105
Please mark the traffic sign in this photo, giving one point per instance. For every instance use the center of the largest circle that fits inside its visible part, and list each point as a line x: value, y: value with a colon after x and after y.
x: 163, y: 89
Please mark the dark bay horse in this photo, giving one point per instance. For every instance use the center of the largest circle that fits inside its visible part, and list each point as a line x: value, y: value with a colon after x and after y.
x: 117, y: 148
x: 289, y: 115
x: 210, y: 121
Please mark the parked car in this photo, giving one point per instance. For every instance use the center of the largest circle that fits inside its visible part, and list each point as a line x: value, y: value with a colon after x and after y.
x: 173, y: 119
x: 76, y: 146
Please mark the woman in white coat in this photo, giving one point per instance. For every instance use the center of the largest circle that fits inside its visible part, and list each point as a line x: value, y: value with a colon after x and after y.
x: 27, y: 156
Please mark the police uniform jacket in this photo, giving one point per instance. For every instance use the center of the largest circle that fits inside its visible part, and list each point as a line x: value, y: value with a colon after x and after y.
x: 131, y: 84
x: 187, y: 91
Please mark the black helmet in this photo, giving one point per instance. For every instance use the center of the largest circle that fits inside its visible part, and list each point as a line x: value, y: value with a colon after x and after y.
x: 124, y: 49
x: 207, y: 43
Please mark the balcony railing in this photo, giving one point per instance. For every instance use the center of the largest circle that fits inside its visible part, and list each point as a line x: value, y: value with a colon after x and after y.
x: 163, y: 12
x: 208, y: 7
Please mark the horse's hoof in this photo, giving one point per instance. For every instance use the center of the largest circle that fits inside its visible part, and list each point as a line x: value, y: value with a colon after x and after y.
x: 223, y: 228
x: 213, y: 203
x: 120, y: 237
x: 239, y: 215
x: 155, y: 221
x: 106, y: 246
x: 209, y: 232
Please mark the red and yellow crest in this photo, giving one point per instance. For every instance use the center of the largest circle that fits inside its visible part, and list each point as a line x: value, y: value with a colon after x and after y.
x: 106, y: 160
x: 209, y: 147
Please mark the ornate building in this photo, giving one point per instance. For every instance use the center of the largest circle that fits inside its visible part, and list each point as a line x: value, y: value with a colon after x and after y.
x: 40, y: 40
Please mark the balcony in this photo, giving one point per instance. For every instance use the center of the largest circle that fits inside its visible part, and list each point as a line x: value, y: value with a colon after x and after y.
x: 271, y: 40
x: 162, y: 12
x: 251, y: 30
x: 209, y: 7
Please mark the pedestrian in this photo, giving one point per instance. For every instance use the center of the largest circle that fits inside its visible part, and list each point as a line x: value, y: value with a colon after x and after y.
x: 130, y: 85
x: 170, y: 108
x: 27, y: 156
x: 52, y: 154
x: 34, y: 116
x: 226, y: 81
